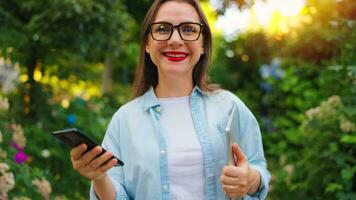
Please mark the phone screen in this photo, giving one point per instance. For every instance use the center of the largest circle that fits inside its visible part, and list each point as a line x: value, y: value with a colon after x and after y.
x: 73, y: 137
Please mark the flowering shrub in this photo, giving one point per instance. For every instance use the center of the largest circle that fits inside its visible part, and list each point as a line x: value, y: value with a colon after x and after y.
x: 327, y: 165
x: 43, y: 187
x: 328, y: 110
x: 9, y: 74
x: 35, y: 158
x: 16, y: 171
x: 4, y: 104
x: 18, y: 143
x: 7, y: 181
x: 313, y: 153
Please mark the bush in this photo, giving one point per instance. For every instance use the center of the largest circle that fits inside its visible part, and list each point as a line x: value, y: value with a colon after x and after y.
x: 317, y: 159
x: 18, y: 177
x: 30, y: 157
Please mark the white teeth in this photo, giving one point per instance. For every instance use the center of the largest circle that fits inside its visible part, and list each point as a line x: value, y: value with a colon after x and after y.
x: 175, y: 55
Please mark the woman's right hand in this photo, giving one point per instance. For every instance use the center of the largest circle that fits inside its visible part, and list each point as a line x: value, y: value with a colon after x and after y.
x: 88, y: 164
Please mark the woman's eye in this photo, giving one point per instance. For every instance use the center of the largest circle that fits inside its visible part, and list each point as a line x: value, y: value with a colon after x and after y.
x: 189, y: 29
x: 162, y: 29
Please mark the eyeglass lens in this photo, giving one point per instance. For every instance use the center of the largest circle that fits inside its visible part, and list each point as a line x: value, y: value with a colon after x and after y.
x: 187, y: 31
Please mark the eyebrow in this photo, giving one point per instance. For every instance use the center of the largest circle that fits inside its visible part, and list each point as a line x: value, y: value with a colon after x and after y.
x: 166, y: 22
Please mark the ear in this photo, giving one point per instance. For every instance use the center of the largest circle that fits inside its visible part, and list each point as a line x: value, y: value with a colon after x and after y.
x: 147, y: 48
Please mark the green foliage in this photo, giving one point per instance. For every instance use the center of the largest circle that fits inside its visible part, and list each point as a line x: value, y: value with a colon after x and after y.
x: 308, y: 159
x: 307, y: 115
x: 71, y: 34
x: 236, y: 65
x: 323, y: 131
x: 80, y: 27
x: 18, y: 177
x: 48, y: 158
x: 318, y: 148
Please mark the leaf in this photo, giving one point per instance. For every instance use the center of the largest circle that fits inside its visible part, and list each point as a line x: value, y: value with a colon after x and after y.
x: 350, y: 111
x: 348, y: 139
x: 348, y: 173
x: 333, y: 147
x: 333, y: 187
x: 78, y: 8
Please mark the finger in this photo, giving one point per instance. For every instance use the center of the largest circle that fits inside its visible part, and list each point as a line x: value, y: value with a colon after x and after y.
x: 230, y: 188
x: 236, y: 182
x: 107, y: 166
x: 78, y: 151
x: 234, y: 195
x: 94, y: 164
x: 231, y: 171
x: 226, y: 180
x: 239, y: 155
x: 90, y: 155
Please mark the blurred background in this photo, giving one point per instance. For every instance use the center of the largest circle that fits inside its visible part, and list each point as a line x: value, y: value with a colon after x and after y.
x: 70, y: 63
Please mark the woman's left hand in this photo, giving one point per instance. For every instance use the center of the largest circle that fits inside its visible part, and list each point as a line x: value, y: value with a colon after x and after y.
x: 236, y: 179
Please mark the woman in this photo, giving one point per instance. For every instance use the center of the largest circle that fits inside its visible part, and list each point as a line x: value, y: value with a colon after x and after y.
x: 171, y: 136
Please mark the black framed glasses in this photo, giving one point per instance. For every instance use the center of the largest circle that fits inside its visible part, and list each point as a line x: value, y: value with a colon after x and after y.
x: 188, y: 31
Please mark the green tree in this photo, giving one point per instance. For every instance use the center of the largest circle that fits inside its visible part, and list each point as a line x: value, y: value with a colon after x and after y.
x: 43, y: 33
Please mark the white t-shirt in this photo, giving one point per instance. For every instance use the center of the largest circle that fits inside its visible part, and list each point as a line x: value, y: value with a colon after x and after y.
x: 185, y: 158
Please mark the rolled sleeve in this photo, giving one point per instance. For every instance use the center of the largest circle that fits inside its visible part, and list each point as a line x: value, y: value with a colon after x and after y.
x: 250, y: 140
x: 120, y: 192
x: 262, y: 191
x: 116, y: 174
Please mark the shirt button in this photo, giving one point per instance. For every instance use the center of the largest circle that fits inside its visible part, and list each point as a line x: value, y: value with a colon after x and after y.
x: 165, y: 188
x: 158, y: 109
x: 163, y: 152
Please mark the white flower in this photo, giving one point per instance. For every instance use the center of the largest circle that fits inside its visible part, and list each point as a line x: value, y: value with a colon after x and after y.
x: 326, y: 109
x: 334, y: 101
x: 345, y: 125
x: 18, y: 135
x: 3, y: 168
x: 22, y: 198
x: 43, y: 187
x: 3, y: 154
x: 7, y: 182
x: 289, y: 168
x: 3, y: 196
x: 59, y: 198
x: 4, y: 104
x: 45, y: 153
x: 313, y: 113
x: 9, y: 74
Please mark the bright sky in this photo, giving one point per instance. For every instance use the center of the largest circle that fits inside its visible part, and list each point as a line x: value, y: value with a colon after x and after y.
x: 235, y: 21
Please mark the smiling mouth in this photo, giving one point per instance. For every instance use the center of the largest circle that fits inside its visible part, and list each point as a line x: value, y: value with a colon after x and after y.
x: 175, y: 56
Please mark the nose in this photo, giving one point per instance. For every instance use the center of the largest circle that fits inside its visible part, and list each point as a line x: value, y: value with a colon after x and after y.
x: 175, y: 38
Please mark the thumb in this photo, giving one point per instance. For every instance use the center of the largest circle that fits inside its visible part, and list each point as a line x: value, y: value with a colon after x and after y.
x: 239, y: 155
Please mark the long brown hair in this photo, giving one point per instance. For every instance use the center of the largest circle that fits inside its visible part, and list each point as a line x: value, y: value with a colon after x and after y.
x: 146, y: 72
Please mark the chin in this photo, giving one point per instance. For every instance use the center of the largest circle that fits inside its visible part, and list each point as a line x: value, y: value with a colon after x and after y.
x: 176, y: 72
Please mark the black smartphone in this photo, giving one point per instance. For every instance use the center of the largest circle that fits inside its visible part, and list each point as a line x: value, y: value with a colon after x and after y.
x: 73, y: 137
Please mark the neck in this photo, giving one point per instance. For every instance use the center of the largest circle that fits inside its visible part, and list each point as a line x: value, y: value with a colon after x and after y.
x: 173, y: 88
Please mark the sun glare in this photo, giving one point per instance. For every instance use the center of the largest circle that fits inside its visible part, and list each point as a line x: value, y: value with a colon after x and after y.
x: 264, y: 10
x: 270, y: 14
x: 288, y: 8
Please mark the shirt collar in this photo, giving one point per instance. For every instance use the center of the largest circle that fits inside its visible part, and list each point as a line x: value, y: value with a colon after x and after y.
x: 197, y: 90
x: 150, y: 100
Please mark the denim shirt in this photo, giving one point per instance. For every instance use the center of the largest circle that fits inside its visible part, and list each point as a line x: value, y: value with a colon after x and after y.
x: 136, y: 137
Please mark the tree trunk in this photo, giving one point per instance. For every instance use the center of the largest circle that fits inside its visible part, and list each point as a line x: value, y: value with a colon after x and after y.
x: 107, y: 76
x: 35, y: 100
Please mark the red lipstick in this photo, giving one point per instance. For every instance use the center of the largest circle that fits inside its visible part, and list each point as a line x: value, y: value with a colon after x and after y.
x: 175, y: 56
